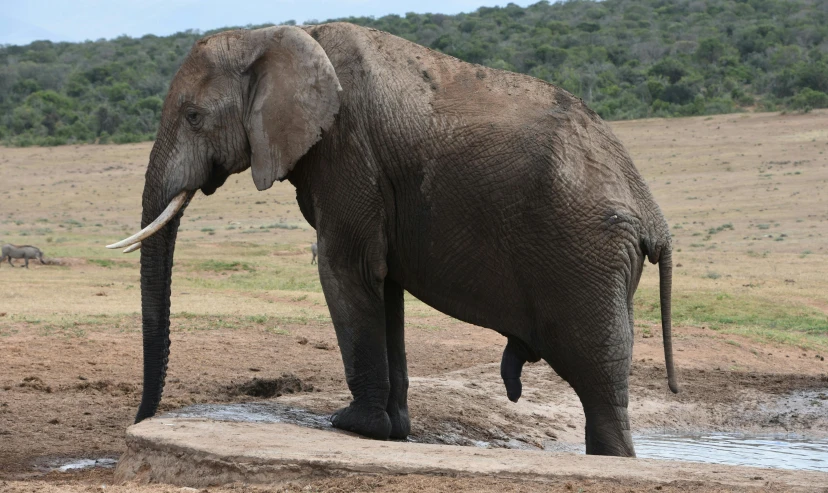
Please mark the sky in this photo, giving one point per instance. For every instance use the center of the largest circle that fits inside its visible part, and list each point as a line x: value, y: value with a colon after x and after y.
x: 24, y: 21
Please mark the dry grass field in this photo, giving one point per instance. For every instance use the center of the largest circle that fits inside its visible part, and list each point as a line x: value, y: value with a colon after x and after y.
x: 745, y: 196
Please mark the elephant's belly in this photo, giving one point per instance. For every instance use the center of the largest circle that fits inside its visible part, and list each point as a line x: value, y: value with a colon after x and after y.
x: 495, y: 307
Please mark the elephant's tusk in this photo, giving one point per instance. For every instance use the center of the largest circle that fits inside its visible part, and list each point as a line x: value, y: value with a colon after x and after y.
x: 172, y: 209
x: 132, y: 248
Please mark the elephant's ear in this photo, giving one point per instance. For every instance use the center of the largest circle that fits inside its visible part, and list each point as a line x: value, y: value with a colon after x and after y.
x: 293, y: 97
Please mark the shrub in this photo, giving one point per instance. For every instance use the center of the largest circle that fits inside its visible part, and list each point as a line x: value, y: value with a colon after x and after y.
x: 808, y: 99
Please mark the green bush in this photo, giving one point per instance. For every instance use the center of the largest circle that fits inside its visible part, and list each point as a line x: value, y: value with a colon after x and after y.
x: 626, y: 58
x: 808, y: 99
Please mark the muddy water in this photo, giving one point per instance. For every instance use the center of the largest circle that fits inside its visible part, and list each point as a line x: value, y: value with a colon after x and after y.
x: 254, y: 412
x: 785, y: 452
x: 77, y: 464
x: 270, y: 412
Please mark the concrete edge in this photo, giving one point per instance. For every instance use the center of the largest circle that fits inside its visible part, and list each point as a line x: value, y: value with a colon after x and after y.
x: 200, y: 453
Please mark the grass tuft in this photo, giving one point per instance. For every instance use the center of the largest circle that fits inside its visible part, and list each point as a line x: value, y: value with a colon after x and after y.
x: 740, y: 314
x: 221, y: 266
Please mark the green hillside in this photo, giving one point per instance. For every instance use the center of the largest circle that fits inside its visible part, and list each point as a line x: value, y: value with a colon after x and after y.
x: 626, y: 58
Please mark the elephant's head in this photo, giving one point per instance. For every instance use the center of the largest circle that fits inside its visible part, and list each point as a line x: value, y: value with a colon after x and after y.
x: 241, y: 99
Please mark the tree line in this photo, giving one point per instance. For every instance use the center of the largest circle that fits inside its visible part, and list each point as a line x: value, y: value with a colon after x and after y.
x: 625, y: 58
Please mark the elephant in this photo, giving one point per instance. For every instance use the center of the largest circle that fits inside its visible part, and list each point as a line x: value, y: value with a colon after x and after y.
x: 26, y: 252
x: 419, y: 173
x: 314, y: 251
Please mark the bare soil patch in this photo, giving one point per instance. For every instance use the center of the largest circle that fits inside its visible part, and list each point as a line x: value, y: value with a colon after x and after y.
x: 266, y: 388
x: 65, y: 397
x: 81, y: 483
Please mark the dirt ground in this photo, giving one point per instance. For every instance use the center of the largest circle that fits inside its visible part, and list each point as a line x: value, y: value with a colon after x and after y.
x: 249, y: 318
x: 74, y: 398
x: 98, y: 481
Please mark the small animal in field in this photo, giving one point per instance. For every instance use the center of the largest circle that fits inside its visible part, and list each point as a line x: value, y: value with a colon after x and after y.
x: 24, y: 251
x: 314, y: 253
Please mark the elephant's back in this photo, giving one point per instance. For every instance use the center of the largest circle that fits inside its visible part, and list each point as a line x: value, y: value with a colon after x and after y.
x: 442, y: 83
x: 469, y: 105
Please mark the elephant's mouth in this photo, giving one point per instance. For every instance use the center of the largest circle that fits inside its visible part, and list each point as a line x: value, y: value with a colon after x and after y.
x: 217, y: 178
x: 176, y: 204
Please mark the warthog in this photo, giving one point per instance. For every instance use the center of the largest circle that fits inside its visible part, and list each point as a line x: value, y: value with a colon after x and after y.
x: 24, y: 251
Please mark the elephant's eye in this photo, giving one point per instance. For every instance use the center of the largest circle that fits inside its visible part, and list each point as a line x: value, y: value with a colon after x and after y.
x: 193, y: 117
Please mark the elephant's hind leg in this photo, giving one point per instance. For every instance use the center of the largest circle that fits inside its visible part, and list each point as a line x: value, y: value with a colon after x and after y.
x: 397, y: 367
x: 354, y: 291
x: 597, y: 367
x: 607, y: 422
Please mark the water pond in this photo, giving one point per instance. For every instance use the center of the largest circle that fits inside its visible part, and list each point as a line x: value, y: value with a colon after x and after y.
x: 778, y: 451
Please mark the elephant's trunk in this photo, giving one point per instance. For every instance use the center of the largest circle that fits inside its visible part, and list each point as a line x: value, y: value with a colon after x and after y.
x: 665, y: 273
x: 156, y: 278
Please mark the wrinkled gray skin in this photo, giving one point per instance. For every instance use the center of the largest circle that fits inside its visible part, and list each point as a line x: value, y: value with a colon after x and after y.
x: 26, y: 252
x: 494, y: 197
x: 314, y: 251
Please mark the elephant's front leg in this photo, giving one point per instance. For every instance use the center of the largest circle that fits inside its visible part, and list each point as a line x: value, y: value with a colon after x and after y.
x: 397, y: 367
x: 355, y: 297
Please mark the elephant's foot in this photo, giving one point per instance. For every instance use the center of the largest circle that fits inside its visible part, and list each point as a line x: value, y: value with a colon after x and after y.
x: 368, y: 422
x: 618, y: 444
x: 607, y: 431
x: 400, y: 422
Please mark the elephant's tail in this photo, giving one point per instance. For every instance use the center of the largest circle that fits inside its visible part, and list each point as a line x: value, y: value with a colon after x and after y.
x: 665, y: 274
